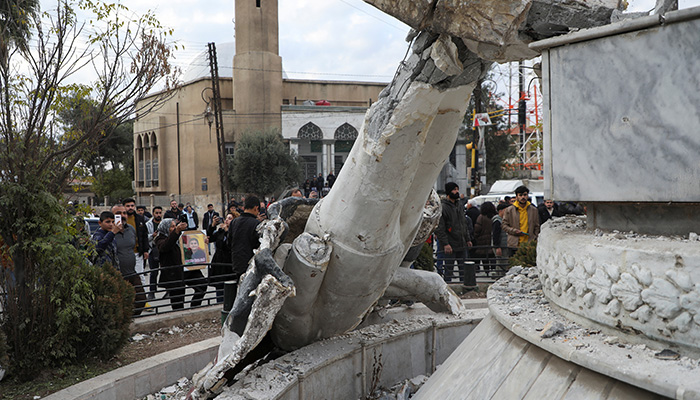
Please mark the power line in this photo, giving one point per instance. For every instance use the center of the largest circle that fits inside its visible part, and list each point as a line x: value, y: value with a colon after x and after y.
x: 374, y: 16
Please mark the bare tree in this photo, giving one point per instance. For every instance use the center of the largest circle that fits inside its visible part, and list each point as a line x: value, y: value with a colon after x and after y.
x: 125, y: 56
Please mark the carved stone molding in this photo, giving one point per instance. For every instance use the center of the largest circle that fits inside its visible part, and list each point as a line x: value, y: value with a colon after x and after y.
x: 648, y: 285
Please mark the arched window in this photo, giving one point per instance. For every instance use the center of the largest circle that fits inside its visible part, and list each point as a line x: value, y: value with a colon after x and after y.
x: 345, y: 132
x: 310, y: 131
x: 154, y: 142
x: 139, y: 141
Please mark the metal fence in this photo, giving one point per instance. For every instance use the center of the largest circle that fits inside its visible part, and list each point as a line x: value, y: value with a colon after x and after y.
x: 186, y: 293
x: 486, y: 268
x: 481, y: 261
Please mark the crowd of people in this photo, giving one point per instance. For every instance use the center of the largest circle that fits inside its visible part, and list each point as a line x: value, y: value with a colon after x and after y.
x: 132, y: 239
x: 317, y: 187
x: 146, y: 245
x: 490, y: 233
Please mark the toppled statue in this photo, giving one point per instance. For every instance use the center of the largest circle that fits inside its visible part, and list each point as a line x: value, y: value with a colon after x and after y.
x: 357, y: 238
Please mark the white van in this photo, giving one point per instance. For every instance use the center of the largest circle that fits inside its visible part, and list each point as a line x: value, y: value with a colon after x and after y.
x: 536, y: 198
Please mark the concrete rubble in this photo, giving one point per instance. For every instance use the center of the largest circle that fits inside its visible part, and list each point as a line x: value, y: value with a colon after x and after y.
x: 589, y: 344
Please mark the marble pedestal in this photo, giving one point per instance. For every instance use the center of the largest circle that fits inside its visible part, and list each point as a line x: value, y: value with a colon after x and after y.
x: 621, y: 122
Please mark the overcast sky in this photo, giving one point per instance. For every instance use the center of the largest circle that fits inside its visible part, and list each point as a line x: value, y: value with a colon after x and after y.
x: 329, y: 39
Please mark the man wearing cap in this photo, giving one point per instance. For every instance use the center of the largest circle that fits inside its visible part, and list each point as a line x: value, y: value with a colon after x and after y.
x: 453, y: 238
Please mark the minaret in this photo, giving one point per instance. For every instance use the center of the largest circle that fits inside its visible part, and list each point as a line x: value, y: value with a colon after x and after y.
x: 257, y: 67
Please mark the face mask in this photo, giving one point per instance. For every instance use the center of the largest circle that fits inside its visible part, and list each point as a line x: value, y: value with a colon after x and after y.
x: 453, y: 196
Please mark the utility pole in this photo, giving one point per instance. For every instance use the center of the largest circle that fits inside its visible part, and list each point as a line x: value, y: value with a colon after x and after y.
x: 218, y: 118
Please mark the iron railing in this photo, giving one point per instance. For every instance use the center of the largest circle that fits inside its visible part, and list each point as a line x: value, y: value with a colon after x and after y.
x: 158, y: 299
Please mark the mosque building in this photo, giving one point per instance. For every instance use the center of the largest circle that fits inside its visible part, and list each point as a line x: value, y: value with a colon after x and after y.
x: 175, y: 146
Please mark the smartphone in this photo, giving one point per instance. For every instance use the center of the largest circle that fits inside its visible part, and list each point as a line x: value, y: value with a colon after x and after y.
x: 182, y: 218
x: 117, y: 218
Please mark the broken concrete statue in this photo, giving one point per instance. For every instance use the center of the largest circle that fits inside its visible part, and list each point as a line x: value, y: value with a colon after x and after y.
x: 357, y: 237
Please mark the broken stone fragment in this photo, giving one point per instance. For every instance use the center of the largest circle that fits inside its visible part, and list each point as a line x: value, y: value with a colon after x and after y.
x: 552, y: 328
x: 667, y: 354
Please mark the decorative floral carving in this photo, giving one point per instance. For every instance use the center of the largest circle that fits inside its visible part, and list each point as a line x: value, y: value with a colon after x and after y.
x: 569, y: 262
x: 578, y: 278
x: 643, y: 314
x: 680, y: 278
x: 681, y: 323
x: 589, y: 265
x: 642, y: 274
x: 627, y: 290
x: 613, y: 308
x: 669, y: 299
x: 612, y: 270
x: 691, y: 301
x: 600, y: 283
x: 664, y: 297
x: 556, y: 288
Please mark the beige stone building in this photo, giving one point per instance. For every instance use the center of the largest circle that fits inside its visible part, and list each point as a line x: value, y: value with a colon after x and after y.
x: 175, y: 148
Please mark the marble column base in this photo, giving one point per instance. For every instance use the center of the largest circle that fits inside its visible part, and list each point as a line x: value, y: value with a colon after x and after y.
x: 643, y: 286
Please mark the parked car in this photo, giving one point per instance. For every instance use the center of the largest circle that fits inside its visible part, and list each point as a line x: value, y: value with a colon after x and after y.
x: 91, y: 224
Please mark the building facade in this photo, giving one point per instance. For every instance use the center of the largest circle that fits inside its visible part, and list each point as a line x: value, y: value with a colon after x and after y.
x: 175, y: 147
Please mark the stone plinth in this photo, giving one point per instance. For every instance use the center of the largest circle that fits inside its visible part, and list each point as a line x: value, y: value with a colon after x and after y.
x: 621, y: 121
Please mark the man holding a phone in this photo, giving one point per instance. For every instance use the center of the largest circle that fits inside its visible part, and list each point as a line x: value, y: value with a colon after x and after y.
x: 521, y: 220
x: 126, y: 241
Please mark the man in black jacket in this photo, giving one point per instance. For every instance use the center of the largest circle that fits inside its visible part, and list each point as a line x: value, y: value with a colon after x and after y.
x: 208, y: 217
x: 453, y: 238
x: 174, y: 211
x: 547, y: 210
x: 243, y: 237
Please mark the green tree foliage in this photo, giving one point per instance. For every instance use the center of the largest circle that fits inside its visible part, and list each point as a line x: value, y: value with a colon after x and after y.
x: 16, y: 18
x: 525, y: 256
x: 499, y: 147
x: 262, y: 164
x: 70, y: 309
x: 45, y: 279
x: 115, y: 183
x: 425, y: 259
x: 107, y: 158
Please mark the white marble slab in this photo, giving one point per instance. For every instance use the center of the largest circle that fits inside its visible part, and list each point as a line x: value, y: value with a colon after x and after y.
x: 623, y: 119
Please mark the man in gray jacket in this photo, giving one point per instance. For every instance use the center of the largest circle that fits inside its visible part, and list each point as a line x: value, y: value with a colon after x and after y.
x: 454, y: 238
x: 125, y: 241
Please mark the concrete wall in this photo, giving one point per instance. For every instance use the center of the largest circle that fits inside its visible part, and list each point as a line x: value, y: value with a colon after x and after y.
x: 198, y: 153
x: 345, y: 367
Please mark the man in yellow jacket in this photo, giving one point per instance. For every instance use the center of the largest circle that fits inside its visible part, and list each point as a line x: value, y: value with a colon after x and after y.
x: 521, y: 220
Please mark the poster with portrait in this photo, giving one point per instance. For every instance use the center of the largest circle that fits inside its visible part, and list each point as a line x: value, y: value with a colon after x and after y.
x: 193, y: 250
